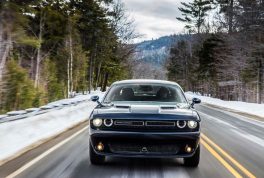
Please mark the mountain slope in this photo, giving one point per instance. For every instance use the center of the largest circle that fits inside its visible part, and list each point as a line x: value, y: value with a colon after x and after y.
x: 156, y: 51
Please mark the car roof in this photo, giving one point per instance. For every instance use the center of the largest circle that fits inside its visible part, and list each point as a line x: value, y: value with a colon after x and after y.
x: 145, y: 81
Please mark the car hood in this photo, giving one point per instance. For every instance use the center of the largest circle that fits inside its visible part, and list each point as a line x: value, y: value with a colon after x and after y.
x: 145, y: 112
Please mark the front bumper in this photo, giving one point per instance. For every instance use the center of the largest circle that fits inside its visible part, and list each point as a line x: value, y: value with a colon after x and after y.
x: 145, y: 144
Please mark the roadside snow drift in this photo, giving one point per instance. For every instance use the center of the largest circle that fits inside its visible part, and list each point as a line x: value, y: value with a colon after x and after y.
x: 250, y: 108
x: 17, y: 135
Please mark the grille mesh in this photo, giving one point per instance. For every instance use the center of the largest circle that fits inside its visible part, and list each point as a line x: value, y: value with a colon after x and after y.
x: 160, y: 123
x: 143, y: 149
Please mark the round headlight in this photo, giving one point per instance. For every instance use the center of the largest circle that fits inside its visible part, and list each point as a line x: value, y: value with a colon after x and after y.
x: 181, y: 124
x: 192, y: 124
x: 97, y: 122
x: 108, y: 122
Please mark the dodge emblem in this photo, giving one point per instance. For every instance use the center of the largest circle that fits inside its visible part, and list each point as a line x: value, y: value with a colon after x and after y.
x: 144, y: 149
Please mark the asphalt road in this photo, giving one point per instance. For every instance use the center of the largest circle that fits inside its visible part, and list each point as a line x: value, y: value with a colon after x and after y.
x: 232, y: 146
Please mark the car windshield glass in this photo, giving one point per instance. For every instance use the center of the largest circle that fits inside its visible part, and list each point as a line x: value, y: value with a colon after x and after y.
x: 145, y: 93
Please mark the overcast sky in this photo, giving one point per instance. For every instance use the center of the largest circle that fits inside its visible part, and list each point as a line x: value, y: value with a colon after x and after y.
x: 155, y: 18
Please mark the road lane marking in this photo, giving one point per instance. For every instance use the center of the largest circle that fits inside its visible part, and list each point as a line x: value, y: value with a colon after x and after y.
x: 221, y: 160
x: 209, y: 148
x: 251, y: 138
x: 236, y: 163
x: 239, y: 116
x: 217, y: 120
x: 46, y: 153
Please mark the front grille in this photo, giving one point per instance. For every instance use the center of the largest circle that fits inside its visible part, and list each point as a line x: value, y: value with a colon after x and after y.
x: 167, y: 107
x: 147, y: 126
x: 160, y: 124
x: 123, y: 107
x: 128, y: 123
x: 145, y: 123
x: 143, y: 149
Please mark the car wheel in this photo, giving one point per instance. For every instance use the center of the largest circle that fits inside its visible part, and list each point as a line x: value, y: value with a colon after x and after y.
x: 95, y: 158
x: 194, y: 160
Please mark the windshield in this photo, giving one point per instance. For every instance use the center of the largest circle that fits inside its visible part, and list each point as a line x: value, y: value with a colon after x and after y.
x: 145, y: 93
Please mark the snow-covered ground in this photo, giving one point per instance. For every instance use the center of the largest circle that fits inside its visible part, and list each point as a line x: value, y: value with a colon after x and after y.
x: 250, y: 108
x: 19, y: 134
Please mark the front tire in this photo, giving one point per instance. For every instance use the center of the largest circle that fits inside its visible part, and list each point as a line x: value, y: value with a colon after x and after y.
x: 95, y: 158
x: 194, y: 160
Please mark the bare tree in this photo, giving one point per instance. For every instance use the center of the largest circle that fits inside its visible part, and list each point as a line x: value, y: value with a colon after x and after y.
x: 124, y: 29
x: 69, y: 46
x: 6, y: 41
x: 39, y: 52
x: 122, y: 23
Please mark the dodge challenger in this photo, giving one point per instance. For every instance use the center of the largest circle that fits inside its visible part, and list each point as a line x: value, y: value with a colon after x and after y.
x: 145, y: 118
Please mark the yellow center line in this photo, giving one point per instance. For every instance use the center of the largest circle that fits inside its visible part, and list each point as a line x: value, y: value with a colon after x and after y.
x: 236, y: 163
x: 221, y: 160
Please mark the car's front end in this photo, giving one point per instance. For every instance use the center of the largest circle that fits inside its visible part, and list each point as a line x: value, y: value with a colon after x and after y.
x: 144, y: 129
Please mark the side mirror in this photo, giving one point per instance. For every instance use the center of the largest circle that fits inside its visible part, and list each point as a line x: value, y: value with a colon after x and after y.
x: 195, y: 101
x: 95, y: 98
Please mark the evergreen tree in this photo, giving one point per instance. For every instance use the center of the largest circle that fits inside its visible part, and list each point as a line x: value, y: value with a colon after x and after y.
x: 251, y: 24
x: 54, y: 88
x: 194, y: 14
x: 19, y: 90
x: 179, y: 64
x: 212, y: 57
x: 62, y: 45
x: 230, y: 8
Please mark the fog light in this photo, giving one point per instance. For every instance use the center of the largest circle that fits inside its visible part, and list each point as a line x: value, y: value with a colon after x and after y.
x: 188, y: 149
x: 100, y: 147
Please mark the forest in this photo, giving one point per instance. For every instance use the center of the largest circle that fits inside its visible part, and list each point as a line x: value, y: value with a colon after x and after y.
x: 223, y: 53
x: 51, y: 49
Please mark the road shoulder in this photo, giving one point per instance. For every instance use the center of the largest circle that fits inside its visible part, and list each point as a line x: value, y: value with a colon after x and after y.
x: 20, y: 159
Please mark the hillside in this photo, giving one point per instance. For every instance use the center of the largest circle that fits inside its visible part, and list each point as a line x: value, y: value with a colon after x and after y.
x: 156, y: 51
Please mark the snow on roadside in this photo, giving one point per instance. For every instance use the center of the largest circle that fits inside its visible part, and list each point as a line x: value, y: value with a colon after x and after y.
x: 250, y: 108
x: 76, y: 99
x: 17, y: 135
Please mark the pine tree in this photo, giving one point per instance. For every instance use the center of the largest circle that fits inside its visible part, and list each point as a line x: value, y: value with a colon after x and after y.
x: 12, y: 30
x: 62, y: 45
x: 213, y: 57
x: 251, y: 24
x: 230, y: 8
x: 19, y: 90
x: 194, y: 14
x: 54, y: 88
x: 179, y: 64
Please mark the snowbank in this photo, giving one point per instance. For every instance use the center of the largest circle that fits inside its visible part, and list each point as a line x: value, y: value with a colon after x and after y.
x: 17, y: 135
x: 76, y: 99
x: 250, y: 108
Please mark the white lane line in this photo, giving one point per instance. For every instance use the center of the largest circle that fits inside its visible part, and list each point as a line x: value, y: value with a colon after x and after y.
x: 46, y: 153
x: 236, y: 130
x: 217, y: 120
x: 240, y: 117
x: 247, y: 119
x: 251, y: 138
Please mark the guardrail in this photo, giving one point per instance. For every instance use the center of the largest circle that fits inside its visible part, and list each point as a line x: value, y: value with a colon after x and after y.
x: 17, y: 115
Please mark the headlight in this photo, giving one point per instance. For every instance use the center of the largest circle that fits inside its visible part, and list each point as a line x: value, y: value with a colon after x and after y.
x: 192, y: 124
x: 108, y: 122
x: 181, y: 124
x: 97, y: 122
